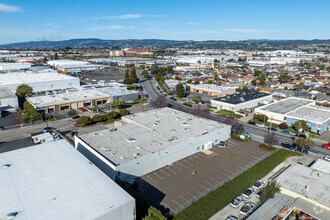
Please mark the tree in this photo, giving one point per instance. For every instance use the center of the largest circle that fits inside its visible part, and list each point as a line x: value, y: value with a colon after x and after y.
x: 133, y: 76
x: 261, y: 118
x: 201, y: 111
x: 119, y: 103
x: 258, y: 73
x: 44, y: 60
x: 300, y: 124
x: 197, y: 99
x: 210, y: 81
x: 302, y: 142
x: 112, y: 115
x: 237, y: 128
x: 189, y: 81
x: 127, y: 79
x: 180, y: 90
x: 270, y: 138
x: 160, y: 78
x: 84, y: 120
x: 21, y: 92
x: 124, y: 112
x: 56, y: 56
x: 283, y: 125
x: 159, y: 102
x: 154, y: 214
x: 97, y: 118
x: 269, y: 192
x: 145, y: 74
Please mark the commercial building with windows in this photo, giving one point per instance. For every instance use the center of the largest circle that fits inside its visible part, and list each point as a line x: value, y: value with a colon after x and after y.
x: 148, y: 141
x: 212, y: 90
x: 119, y: 93
x: 39, y: 81
x: 243, y: 101
x: 70, y: 100
x: 171, y: 85
x: 292, y: 109
x: 54, y: 181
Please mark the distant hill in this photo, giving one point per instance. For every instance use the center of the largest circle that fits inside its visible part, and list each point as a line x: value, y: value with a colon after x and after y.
x: 263, y: 44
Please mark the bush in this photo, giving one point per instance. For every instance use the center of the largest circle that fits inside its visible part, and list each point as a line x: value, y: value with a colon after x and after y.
x: 260, y: 118
x: 124, y: 112
x: 112, y: 115
x: 84, y: 120
x: 97, y: 118
x: 266, y: 147
x: 283, y: 125
x: 32, y: 113
x: 269, y: 192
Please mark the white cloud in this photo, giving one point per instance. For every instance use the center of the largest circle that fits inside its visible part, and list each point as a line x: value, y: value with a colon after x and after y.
x: 191, y: 22
x: 127, y: 16
x: 48, y: 24
x: 156, y: 16
x: 9, y: 8
x: 110, y: 27
x: 249, y: 31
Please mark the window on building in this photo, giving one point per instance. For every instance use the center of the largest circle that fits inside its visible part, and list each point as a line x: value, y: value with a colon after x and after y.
x: 216, y: 141
x: 198, y: 148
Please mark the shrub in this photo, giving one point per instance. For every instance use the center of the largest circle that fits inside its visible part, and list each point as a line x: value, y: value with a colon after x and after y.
x: 84, y: 120
x: 124, y: 112
x: 283, y: 125
x: 112, y: 115
x: 97, y: 118
x: 266, y: 147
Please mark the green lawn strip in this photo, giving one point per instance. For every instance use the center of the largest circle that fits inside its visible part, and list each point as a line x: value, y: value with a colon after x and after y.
x: 163, y: 87
x: 207, y: 206
x: 229, y: 113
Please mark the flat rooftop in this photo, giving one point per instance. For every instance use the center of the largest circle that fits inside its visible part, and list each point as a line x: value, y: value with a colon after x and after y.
x: 148, y: 132
x: 286, y: 105
x: 297, y: 177
x: 212, y: 87
x: 273, y: 207
x: 114, y: 91
x: 321, y: 165
x: 72, y: 96
x: 54, y: 181
x: 6, y: 93
x: 32, y: 77
x: 241, y: 98
x: 311, y: 113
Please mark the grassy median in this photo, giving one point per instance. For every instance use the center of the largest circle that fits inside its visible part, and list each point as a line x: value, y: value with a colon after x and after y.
x: 207, y: 206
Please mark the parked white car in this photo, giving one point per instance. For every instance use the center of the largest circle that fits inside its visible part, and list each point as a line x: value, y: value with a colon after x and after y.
x: 247, y: 208
x: 237, y: 202
x: 248, y: 193
x: 258, y: 184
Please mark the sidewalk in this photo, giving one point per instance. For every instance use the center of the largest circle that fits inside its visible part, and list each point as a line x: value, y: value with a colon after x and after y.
x: 228, y: 210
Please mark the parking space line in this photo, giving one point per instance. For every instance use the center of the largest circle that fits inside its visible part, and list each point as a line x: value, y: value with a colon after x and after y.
x: 177, y: 203
x: 165, y: 205
x: 151, y: 178
x: 176, y: 167
x: 196, y: 190
x: 185, y: 160
x: 168, y: 168
x: 253, y: 156
x: 183, y: 198
x: 164, y: 172
x: 182, y: 164
x: 158, y: 176
x: 208, y: 183
x: 198, y: 158
x: 202, y: 155
x: 202, y: 186
x: 214, y: 180
x: 191, y: 194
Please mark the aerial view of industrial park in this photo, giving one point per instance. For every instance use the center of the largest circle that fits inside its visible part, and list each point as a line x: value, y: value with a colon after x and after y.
x: 156, y: 110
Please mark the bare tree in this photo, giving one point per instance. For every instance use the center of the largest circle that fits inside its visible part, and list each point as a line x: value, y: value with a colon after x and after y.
x: 201, y: 111
x: 270, y: 138
x: 159, y: 102
x: 237, y: 128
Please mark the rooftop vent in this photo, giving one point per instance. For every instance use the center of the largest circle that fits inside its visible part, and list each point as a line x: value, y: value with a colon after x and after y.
x: 131, y: 140
x: 319, y: 175
x: 307, y: 188
x: 6, y: 165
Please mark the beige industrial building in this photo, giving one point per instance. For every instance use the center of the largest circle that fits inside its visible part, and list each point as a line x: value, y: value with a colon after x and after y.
x: 212, y: 90
x: 71, y: 100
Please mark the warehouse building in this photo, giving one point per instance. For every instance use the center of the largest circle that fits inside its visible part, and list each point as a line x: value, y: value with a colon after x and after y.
x: 8, y: 100
x: 148, y: 141
x: 74, y: 66
x: 70, y: 100
x: 8, y: 67
x: 292, y: 109
x: 243, y: 101
x: 39, y: 81
x: 119, y: 93
x: 54, y: 181
x: 212, y: 90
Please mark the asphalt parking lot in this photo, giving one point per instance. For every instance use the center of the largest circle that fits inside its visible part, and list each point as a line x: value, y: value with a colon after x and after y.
x: 173, y: 186
x: 15, y: 144
x: 97, y: 75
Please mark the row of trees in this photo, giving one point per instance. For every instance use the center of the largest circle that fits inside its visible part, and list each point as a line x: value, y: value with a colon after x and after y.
x: 85, y: 120
x: 31, y: 112
x: 160, y: 71
x: 130, y: 76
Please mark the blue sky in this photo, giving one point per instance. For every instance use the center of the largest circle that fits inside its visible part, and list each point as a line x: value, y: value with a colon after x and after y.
x: 27, y: 20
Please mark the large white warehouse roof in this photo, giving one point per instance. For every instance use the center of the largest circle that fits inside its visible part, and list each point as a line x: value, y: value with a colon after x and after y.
x: 54, y: 181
